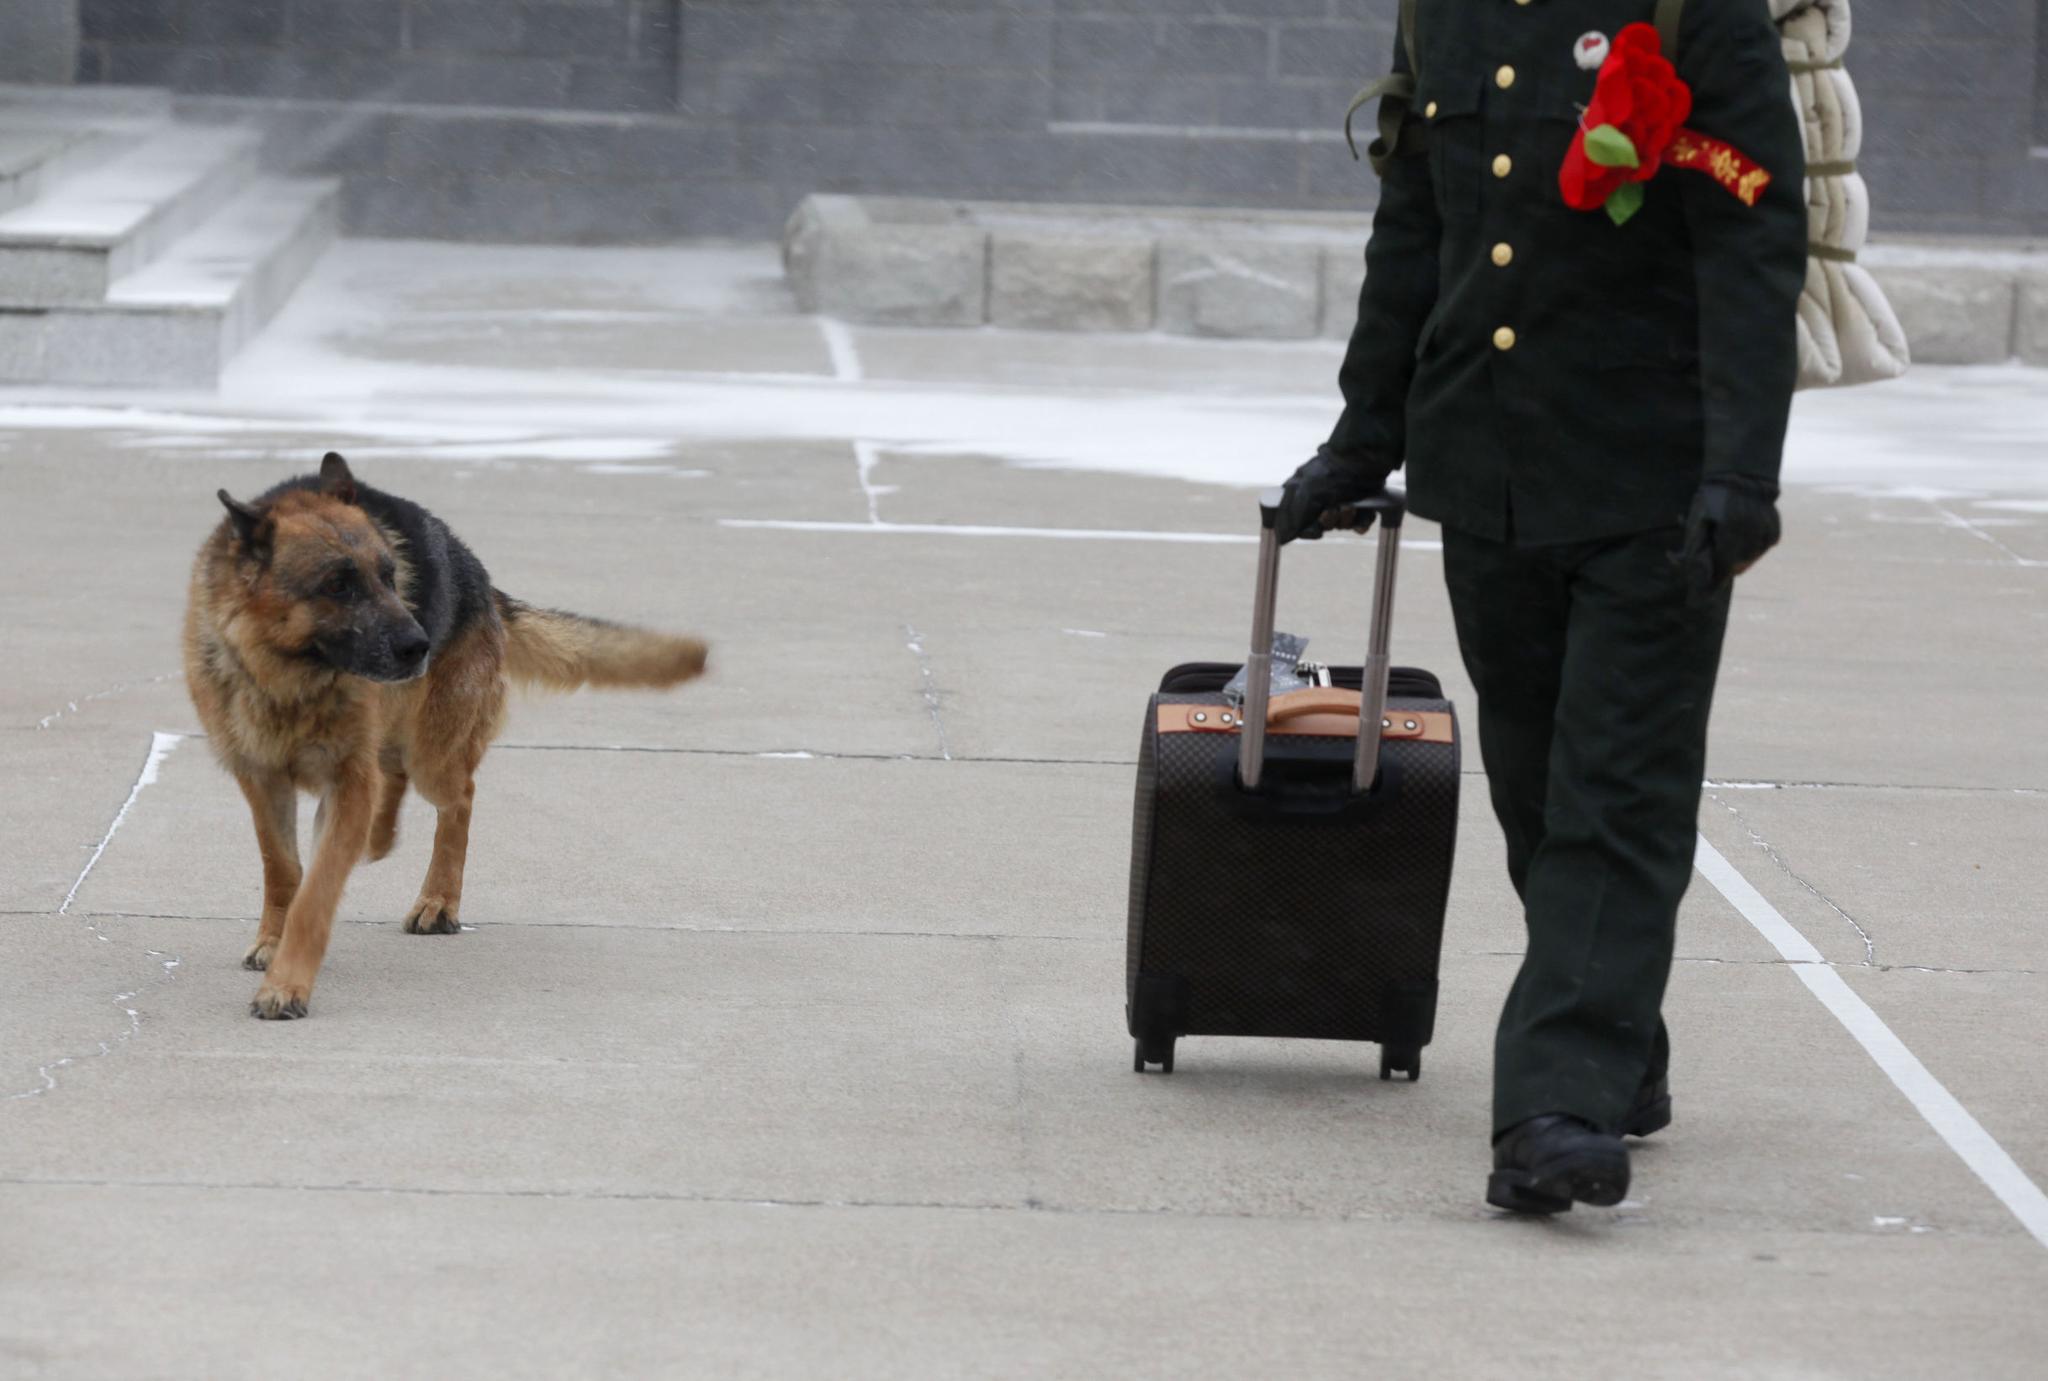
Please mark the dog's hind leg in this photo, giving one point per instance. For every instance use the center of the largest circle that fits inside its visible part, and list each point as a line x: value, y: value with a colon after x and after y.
x: 308, y: 924
x: 439, y: 907
x: 455, y: 723
x: 390, y: 797
x: 274, y: 805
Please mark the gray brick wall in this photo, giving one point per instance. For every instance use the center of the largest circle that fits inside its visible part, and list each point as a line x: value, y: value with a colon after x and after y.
x: 38, y: 40
x: 1952, y: 99
x: 639, y: 119
x: 549, y: 54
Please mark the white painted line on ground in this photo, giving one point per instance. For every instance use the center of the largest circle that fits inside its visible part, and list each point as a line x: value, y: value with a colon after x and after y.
x: 840, y: 345
x: 1062, y: 534
x: 160, y: 748
x: 1950, y: 1120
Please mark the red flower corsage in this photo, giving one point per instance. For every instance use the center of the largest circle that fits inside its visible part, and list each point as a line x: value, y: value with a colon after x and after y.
x: 1639, y: 106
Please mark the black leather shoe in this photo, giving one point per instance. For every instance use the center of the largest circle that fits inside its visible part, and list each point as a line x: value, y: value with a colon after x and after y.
x: 1549, y: 1162
x: 1651, y: 1112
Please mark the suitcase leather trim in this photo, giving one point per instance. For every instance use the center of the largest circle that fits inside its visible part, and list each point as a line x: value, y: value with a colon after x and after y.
x: 1310, y: 714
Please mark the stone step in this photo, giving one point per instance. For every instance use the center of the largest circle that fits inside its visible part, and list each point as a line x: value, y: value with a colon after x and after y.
x: 177, y: 322
x: 35, y: 156
x: 66, y: 247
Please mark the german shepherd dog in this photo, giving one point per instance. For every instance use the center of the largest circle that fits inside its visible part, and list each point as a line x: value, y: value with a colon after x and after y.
x: 341, y: 641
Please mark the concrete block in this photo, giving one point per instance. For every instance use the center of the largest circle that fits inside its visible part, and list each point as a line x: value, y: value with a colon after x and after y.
x: 43, y: 275
x: 2031, y: 343
x: 1953, y: 313
x: 41, y: 43
x: 1343, y: 279
x: 1254, y: 289
x: 21, y: 347
x: 1052, y: 282
x: 166, y: 349
x: 928, y: 270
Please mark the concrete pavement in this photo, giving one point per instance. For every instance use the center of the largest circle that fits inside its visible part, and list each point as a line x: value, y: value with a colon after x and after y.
x: 787, y: 1039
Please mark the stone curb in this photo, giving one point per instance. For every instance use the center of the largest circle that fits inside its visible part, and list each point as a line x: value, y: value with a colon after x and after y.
x: 898, y: 261
x: 1257, y: 275
x: 908, y: 270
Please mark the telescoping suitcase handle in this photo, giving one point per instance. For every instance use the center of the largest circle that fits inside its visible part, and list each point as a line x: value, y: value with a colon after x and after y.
x: 1392, y: 508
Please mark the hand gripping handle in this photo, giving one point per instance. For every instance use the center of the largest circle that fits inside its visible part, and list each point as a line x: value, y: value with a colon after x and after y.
x: 1392, y: 508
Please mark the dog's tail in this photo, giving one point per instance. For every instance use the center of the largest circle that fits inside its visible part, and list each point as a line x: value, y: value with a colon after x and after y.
x: 564, y: 652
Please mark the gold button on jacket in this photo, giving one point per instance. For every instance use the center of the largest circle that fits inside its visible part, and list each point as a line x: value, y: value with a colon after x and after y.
x: 1489, y: 302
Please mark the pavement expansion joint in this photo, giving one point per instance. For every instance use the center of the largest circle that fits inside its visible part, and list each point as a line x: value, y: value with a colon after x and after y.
x: 1957, y: 520
x: 1713, y: 786
x: 73, y: 707
x: 1833, y: 964
x: 843, y: 932
x: 806, y: 754
x: 934, y: 698
x: 161, y: 746
x: 1027, y: 1205
x: 1781, y: 963
x: 1869, y: 942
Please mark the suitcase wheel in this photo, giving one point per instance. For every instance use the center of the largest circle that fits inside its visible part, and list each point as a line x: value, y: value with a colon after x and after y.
x: 1405, y: 1059
x: 1154, y: 1053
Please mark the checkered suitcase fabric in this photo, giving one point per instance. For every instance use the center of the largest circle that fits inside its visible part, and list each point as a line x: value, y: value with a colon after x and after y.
x: 1301, y: 910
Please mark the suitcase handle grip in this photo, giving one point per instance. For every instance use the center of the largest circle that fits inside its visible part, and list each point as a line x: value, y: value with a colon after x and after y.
x: 1392, y: 507
x: 1301, y: 704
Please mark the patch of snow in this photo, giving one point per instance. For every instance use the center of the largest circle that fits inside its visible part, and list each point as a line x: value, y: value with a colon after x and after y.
x: 665, y: 471
x: 1962, y: 434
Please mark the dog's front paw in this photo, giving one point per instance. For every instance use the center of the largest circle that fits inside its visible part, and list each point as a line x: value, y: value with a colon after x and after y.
x: 280, y: 1001
x: 432, y: 916
x: 260, y: 955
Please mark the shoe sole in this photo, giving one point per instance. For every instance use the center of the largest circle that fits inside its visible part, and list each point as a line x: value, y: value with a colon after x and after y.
x: 1650, y: 1120
x: 1599, y: 1180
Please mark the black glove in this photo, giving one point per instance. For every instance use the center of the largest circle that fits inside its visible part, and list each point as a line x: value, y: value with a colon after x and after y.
x: 1315, y: 500
x: 1733, y: 522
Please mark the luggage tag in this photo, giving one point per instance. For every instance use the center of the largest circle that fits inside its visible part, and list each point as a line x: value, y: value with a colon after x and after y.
x: 1287, y: 667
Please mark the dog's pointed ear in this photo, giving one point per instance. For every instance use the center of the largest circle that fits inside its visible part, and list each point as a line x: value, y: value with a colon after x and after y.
x: 252, y: 527
x: 336, y: 481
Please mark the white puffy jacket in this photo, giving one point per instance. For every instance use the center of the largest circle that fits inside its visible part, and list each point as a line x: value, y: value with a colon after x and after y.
x: 1848, y: 333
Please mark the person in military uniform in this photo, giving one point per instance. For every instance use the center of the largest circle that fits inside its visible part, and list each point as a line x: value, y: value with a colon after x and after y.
x: 1595, y: 411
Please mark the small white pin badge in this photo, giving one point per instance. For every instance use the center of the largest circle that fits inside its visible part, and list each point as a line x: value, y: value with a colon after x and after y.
x: 1591, y: 50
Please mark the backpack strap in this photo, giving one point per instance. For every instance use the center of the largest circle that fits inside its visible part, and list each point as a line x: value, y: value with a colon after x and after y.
x: 1396, y: 95
x: 1669, y: 13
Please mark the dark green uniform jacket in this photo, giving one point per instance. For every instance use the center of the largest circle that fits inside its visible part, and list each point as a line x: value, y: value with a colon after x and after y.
x: 1524, y: 358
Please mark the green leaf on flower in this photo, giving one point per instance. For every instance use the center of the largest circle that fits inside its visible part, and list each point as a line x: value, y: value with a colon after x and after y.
x: 1608, y: 147
x: 1626, y: 200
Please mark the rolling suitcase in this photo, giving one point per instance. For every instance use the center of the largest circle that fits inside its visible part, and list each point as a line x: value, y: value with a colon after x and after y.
x: 1289, y: 873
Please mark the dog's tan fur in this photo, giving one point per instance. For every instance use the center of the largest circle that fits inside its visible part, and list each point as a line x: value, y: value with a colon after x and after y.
x: 283, y: 723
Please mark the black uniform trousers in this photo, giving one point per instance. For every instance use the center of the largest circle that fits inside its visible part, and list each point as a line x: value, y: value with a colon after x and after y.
x: 1595, y: 679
